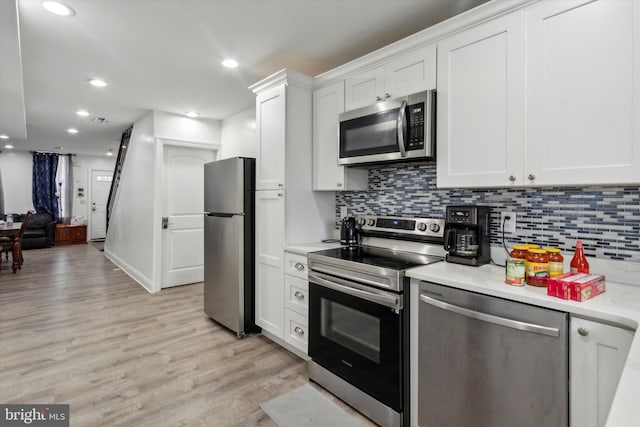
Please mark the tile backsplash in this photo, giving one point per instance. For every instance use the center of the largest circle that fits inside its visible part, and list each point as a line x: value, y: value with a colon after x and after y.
x: 606, y: 219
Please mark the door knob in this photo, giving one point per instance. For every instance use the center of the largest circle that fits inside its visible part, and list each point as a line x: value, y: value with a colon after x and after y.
x: 583, y: 331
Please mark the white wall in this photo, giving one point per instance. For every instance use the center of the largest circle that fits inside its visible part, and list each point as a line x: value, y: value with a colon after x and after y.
x: 239, y: 135
x: 16, y: 167
x: 181, y: 128
x: 129, y: 242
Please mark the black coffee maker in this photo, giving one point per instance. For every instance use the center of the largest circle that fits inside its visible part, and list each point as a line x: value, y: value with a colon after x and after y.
x: 349, y: 232
x: 467, y: 235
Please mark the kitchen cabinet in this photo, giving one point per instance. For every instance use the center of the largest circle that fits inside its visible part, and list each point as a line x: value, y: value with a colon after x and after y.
x: 597, y: 355
x: 270, y: 210
x: 546, y: 95
x: 296, y: 301
x: 288, y: 211
x: 583, y: 92
x: 328, y: 103
x: 481, y: 106
x: 270, y: 129
x: 411, y: 72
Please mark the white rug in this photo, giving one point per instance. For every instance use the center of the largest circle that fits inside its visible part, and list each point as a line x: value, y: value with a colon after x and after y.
x: 307, y: 407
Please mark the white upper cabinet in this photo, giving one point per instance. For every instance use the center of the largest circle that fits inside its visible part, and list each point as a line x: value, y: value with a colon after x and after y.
x: 480, y: 105
x: 270, y: 130
x: 567, y: 117
x: 328, y: 103
x: 583, y: 86
x: 411, y: 72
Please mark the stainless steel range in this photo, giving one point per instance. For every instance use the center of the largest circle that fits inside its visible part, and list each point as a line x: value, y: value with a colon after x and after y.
x: 358, y: 319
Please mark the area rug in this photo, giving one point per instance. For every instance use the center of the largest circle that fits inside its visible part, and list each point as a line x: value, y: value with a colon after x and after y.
x: 307, y: 407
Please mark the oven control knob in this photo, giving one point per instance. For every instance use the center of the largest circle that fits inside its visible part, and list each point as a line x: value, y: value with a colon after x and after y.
x: 361, y: 221
x: 422, y: 226
x: 371, y: 222
x: 434, y: 227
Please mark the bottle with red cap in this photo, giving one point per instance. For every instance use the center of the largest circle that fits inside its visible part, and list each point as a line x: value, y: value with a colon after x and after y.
x: 579, y: 263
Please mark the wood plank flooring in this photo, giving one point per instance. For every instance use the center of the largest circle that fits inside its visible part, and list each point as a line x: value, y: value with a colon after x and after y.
x: 75, y: 329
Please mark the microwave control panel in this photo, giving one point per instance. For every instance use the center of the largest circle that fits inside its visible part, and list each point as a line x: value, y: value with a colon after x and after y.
x: 416, y: 126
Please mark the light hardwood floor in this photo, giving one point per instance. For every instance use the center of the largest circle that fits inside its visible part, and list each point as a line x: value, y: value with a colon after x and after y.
x: 74, y: 329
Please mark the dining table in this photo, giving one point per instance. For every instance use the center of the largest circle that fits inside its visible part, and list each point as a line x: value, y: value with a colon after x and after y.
x: 12, y: 230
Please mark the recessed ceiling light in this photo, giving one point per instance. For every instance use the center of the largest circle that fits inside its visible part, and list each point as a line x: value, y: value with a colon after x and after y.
x: 110, y: 152
x: 192, y: 114
x: 83, y: 113
x: 97, y: 82
x: 72, y: 130
x: 8, y: 146
x: 57, y: 147
x: 58, y: 8
x: 230, y: 63
x: 3, y: 136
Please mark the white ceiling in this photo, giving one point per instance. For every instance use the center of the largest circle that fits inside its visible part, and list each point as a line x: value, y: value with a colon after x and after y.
x: 165, y: 55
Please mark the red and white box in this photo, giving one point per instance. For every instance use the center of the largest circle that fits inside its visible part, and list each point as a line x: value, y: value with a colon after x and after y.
x: 576, y: 286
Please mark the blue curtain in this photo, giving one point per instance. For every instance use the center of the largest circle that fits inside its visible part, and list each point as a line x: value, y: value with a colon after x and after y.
x: 45, y: 166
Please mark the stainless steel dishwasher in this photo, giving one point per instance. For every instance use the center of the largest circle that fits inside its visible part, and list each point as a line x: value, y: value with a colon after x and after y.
x: 485, y: 361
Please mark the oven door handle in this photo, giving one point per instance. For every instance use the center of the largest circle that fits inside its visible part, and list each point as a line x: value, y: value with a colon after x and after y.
x: 347, y: 288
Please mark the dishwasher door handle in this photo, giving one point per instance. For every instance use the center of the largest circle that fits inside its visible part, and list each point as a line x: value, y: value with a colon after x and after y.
x: 509, y: 323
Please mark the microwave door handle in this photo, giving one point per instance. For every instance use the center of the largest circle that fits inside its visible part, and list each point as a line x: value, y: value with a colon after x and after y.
x: 401, y: 124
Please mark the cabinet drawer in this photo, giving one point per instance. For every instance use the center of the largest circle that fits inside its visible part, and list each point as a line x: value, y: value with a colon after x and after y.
x: 296, y: 330
x: 296, y: 291
x: 296, y: 265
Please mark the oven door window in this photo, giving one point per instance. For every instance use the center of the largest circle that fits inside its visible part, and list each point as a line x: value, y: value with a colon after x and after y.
x: 350, y: 328
x: 358, y: 340
x: 372, y: 134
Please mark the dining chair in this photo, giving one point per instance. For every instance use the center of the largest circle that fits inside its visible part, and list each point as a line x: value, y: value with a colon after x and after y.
x: 8, y: 246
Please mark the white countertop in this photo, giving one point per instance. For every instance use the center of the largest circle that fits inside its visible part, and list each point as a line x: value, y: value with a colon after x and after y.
x: 305, y: 248
x: 620, y: 305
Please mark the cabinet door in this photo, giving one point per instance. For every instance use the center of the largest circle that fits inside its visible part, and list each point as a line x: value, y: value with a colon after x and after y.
x: 364, y: 89
x: 481, y: 106
x: 328, y: 103
x: 583, y: 86
x: 270, y: 129
x: 597, y: 356
x: 413, y: 72
x: 270, y: 240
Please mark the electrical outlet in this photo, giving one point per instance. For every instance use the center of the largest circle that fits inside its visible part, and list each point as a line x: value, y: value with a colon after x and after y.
x: 343, y: 211
x: 509, y: 224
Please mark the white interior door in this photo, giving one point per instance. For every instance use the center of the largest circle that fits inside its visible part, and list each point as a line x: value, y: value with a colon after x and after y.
x: 183, y: 206
x: 100, y: 186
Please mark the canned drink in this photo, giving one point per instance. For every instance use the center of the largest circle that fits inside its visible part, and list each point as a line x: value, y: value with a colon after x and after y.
x: 514, y: 272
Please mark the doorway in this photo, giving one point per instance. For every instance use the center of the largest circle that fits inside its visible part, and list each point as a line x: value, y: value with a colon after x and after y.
x: 183, y: 209
x: 100, y: 186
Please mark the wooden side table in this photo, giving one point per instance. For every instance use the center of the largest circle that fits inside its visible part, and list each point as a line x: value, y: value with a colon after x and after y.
x: 70, y: 234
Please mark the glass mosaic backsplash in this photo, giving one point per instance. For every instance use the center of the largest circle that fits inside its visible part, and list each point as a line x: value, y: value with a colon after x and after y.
x: 606, y: 219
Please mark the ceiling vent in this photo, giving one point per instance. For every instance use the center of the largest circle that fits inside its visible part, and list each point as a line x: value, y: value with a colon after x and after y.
x: 100, y: 120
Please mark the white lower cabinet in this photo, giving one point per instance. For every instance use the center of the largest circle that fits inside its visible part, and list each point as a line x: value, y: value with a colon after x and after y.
x: 270, y: 210
x: 597, y: 356
x: 296, y: 301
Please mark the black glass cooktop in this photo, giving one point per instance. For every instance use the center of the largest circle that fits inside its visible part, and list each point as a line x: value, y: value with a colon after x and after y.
x: 379, y: 257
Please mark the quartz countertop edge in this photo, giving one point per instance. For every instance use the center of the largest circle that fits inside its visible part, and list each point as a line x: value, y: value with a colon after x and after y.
x: 618, y: 305
x: 305, y: 248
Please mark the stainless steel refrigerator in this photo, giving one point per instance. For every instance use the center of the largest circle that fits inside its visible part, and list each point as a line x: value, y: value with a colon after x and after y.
x: 229, y: 230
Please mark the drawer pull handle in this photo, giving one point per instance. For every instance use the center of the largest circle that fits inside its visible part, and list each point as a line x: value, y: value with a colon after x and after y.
x: 299, y: 295
x: 531, y: 177
x: 298, y: 330
x: 583, y: 331
x: 512, y: 178
x: 299, y: 266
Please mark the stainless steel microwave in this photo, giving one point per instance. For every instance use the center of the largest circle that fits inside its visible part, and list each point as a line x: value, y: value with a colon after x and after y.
x: 400, y: 129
